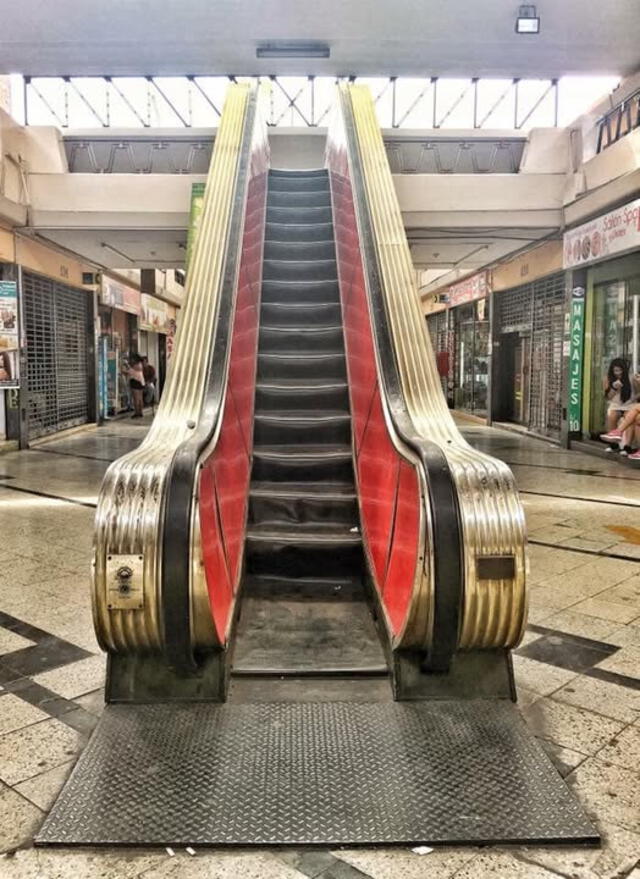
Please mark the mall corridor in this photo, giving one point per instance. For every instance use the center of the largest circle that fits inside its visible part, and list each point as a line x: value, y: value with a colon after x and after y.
x: 577, y: 669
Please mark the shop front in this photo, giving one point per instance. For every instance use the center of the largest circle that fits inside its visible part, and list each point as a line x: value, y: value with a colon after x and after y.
x: 119, y: 313
x: 157, y: 327
x: 608, y: 248
x: 435, y: 310
x: 528, y: 331
x: 469, y: 326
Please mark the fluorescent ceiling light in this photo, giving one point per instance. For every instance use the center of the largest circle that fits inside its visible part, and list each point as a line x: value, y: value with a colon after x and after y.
x: 527, y: 21
x: 293, y: 49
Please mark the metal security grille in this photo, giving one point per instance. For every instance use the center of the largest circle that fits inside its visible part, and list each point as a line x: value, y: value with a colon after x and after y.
x: 545, y: 413
x: 56, y: 327
x: 439, y: 334
x: 536, y: 312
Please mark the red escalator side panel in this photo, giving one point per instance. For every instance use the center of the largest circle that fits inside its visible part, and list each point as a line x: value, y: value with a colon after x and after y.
x: 387, y: 483
x: 403, y: 556
x: 225, y: 476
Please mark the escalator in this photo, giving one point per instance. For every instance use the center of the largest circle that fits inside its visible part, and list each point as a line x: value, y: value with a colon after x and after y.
x: 304, y: 607
x: 307, y: 584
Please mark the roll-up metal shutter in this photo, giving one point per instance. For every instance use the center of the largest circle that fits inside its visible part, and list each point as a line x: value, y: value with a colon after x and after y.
x: 56, y: 327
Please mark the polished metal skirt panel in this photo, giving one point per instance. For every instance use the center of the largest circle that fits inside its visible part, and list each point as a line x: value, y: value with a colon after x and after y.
x: 314, y: 773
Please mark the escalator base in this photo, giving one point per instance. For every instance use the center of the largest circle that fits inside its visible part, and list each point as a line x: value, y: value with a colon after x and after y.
x: 314, y: 773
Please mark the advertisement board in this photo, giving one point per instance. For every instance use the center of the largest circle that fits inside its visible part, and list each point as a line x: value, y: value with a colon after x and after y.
x: 154, y: 314
x: 116, y: 295
x: 605, y: 236
x: 9, y: 335
x: 472, y: 288
x: 576, y: 344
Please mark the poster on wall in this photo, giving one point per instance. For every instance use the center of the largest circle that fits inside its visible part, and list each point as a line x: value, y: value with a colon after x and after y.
x: 9, y: 335
x: 195, y: 215
x: 154, y: 314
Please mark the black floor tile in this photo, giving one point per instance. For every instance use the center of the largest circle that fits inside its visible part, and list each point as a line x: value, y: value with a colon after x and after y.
x: 566, y: 651
x: 613, y: 677
x: 50, y: 652
x: 44, y: 699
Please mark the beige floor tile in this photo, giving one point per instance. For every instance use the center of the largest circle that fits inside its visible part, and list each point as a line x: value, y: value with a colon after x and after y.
x: 626, y: 592
x: 608, y: 792
x: 624, y: 749
x: 16, y: 713
x: 93, y: 702
x: 69, y: 864
x: 571, y: 727
x: 34, y: 749
x: 10, y: 641
x: 606, y: 610
x: 539, y: 612
x: 620, y: 850
x: 564, y: 759
x: 602, y: 697
x: 43, y: 789
x: 19, y: 820
x: 581, y: 624
x: 222, y: 865
x: 76, y: 678
x: 540, y: 677
x: 502, y: 865
x: 625, y: 662
x: 441, y: 863
x: 627, y: 636
x: 526, y: 697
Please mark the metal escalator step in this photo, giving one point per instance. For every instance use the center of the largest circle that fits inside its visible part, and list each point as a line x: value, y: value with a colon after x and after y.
x: 297, y: 173
x: 293, y: 463
x: 303, y: 549
x: 309, y: 393
x: 306, y: 588
x: 301, y: 426
x: 303, y: 503
x: 298, y: 232
x: 298, y: 214
x: 281, y: 636
x: 288, y: 365
x: 297, y: 339
x: 298, y: 184
x: 300, y: 291
x: 305, y: 198
x: 299, y: 270
x: 331, y: 773
x: 300, y: 314
x: 299, y: 250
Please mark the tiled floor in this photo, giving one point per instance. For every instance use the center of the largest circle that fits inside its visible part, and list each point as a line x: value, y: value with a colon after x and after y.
x: 578, y: 668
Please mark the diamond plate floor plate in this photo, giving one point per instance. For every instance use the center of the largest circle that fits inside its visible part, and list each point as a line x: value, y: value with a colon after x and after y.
x: 330, y: 773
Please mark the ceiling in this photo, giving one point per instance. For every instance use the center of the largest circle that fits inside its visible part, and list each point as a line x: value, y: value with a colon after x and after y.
x: 366, y: 37
x: 123, y: 248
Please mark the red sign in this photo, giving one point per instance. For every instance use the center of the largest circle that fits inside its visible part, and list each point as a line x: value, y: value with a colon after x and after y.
x: 472, y: 288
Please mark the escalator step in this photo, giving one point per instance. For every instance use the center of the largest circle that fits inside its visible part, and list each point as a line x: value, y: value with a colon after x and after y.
x: 302, y: 394
x: 294, y: 216
x: 299, y: 551
x: 308, y: 365
x: 298, y: 232
x: 297, y: 250
x: 300, y: 314
x: 296, y: 339
x: 297, y: 173
x: 298, y: 184
x: 292, y: 588
x: 299, y: 270
x: 316, y: 198
x: 300, y: 291
x: 294, y: 463
x: 275, y: 428
x: 297, y: 503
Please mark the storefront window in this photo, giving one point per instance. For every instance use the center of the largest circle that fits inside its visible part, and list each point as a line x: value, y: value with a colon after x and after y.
x: 615, y: 333
x: 472, y: 357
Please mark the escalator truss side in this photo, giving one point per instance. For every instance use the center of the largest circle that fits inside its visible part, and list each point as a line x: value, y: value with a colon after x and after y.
x: 443, y: 526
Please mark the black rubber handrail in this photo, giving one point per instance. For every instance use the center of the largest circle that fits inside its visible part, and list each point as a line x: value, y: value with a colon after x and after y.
x: 176, y: 538
x: 443, y: 498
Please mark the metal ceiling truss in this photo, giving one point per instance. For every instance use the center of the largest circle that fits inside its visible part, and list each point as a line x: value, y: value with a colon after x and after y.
x: 305, y: 101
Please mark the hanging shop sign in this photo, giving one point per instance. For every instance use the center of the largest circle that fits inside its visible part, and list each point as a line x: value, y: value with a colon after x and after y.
x: 576, y: 343
x: 195, y: 216
x: 605, y: 236
x: 472, y: 288
x: 116, y: 295
x: 9, y: 335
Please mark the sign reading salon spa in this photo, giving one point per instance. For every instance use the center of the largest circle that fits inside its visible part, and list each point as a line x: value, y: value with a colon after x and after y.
x: 605, y: 236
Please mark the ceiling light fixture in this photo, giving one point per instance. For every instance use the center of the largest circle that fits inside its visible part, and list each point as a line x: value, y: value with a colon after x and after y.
x: 527, y: 21
x: 293, y: 49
